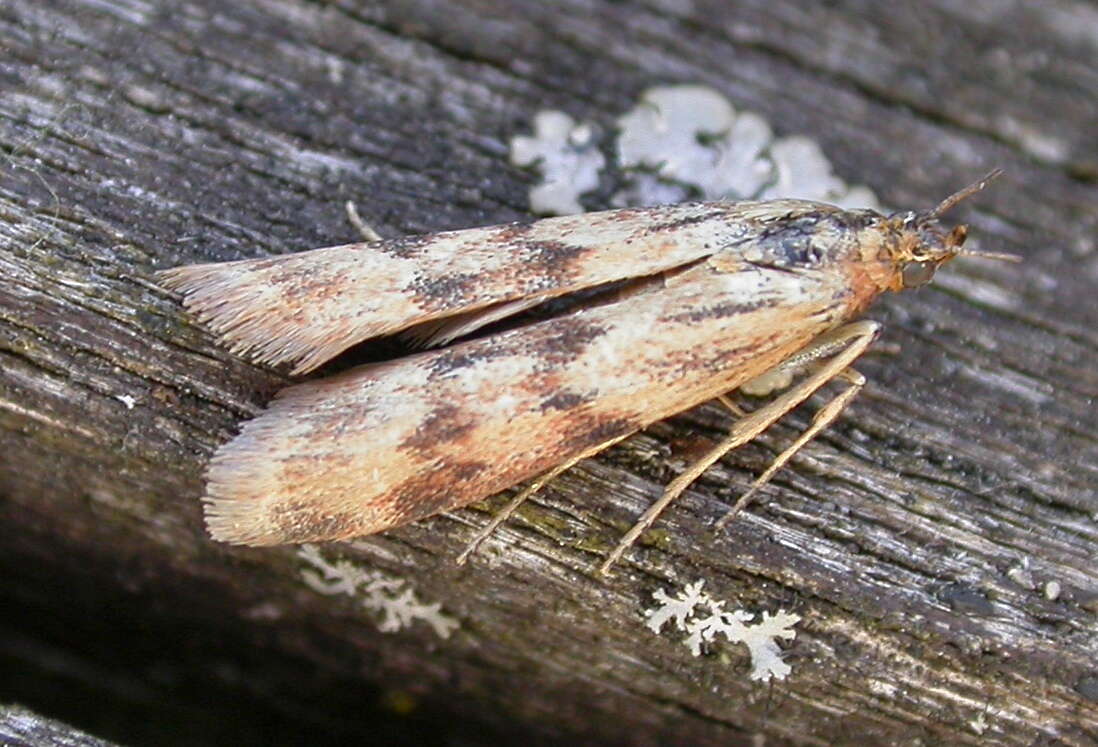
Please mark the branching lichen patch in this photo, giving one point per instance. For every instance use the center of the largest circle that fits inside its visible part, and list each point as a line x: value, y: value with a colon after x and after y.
x: 394, y: 599
x: 704, y: 618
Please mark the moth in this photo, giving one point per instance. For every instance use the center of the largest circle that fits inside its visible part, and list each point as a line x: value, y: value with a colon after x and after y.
x: 669, y: 307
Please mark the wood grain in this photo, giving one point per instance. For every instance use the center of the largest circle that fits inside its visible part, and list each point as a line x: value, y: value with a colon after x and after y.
x: 916, y: 538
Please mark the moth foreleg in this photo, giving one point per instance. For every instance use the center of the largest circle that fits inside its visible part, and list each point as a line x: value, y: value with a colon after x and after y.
x: 850, y: 341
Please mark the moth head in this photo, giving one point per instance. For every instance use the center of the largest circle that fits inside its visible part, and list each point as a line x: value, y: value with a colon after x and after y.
x: 925, y: 244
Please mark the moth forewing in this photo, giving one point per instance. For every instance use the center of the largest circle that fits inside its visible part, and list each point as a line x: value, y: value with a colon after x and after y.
x: 306, y: 308
x: 389, y: 443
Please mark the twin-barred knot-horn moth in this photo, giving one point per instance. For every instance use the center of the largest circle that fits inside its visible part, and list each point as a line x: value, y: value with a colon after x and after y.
x: 681, y: 304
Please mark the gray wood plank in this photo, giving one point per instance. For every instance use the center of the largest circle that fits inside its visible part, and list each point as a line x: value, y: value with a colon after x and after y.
x: 916, y: 538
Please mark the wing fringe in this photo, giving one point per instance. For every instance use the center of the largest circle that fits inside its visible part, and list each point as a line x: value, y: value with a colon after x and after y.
x: 250, y: 317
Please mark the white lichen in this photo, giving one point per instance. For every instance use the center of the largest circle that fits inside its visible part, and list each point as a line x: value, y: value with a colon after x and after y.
x: 677, y: 143
x: 1021, y: 574
x: 394, y: 599
x: 803, y: 172
x: 1052, y: 591
x: 692, y: 136
x: 127, y: 399
x: 703, y: 619
x: 567, y: 155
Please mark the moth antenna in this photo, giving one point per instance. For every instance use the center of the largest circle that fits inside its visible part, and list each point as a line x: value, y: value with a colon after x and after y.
x: 1002, y: 256
x: 964, y: 194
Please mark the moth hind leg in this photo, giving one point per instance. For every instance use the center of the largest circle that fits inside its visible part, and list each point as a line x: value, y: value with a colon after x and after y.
x: 533, y: 487
x: 505, y: 513
x: 841, y: 347
x: 822, y: 419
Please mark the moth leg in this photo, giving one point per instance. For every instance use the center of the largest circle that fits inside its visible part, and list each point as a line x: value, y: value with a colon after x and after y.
x: 823, y: 418
x: 368, y: 233
x: 781, y: 376
x: 732, y: 406
x: 850, y: 340
x: 539, y: 482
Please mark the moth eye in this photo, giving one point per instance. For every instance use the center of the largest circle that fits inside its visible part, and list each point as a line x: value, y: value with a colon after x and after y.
x: 916, y: 274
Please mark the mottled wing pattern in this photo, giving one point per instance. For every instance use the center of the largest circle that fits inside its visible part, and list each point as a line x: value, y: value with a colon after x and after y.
x: 306, y: 308
x: 385, y: 444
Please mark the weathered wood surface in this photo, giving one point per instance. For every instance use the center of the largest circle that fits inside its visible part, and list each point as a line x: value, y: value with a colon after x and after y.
x: 20, y: 727
x: 917, y: 538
